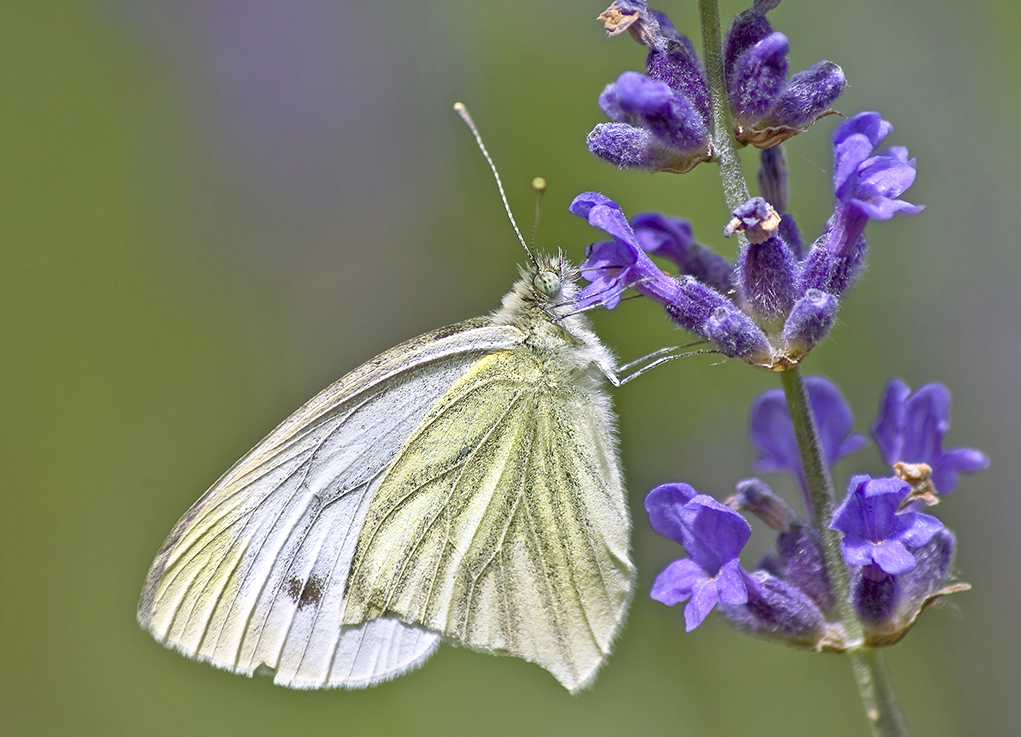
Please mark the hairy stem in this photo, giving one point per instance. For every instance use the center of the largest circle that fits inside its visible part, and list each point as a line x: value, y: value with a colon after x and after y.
x: 735, y: 189
x: 877, y: 694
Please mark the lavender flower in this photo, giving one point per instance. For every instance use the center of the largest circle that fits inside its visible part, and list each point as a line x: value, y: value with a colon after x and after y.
x: 659, y: 120
x: 613, y: 266
x: 768, y: 107
x: 889, y: 605
x: 866, y: 183
x: 713, y: 536
x: 875, y: 531
x: 910, y: 429
x: 772, y: 432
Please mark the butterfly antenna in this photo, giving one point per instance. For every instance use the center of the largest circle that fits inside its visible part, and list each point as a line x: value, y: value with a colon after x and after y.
x: 463, y: 112
x: 539, y: 185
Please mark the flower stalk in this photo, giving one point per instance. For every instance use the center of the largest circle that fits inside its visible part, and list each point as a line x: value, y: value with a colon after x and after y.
x: 874, y: 685
x: 735, y: 189
x: 847, y: 576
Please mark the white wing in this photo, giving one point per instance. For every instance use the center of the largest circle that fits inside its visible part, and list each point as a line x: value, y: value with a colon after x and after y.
x: 252, y: 578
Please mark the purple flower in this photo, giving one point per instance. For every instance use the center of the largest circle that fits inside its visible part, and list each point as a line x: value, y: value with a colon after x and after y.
x: 713, y: 535
x: 772, y: 432
x: 768, y: 107
x: 613, y: 266
x: 888, y: 605
x: 910, y: 429
x: 875, y: 532
x: 865, y: 182
x: 659, y: 120
x: 654, y: 128
x: 672, y: 238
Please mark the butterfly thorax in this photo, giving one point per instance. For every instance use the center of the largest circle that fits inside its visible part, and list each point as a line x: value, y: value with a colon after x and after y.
x: 561, y: 337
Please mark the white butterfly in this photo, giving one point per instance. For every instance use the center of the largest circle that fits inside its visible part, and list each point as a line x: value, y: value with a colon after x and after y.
x: 463, y: 486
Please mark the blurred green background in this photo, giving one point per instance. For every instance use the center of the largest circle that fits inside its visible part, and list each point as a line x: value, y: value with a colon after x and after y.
x: 212, y: 210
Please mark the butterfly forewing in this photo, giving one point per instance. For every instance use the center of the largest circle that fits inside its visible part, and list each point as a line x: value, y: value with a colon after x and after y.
x: 502, y: 522
x: 253, y: 576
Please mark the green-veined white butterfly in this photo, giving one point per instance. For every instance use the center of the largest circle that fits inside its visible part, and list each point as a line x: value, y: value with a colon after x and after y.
x: 462, y: 486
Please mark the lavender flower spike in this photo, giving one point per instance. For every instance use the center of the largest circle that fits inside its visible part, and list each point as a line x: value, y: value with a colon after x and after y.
x: 713, y: 535
x: 875, y: 532
x: 910, y: 429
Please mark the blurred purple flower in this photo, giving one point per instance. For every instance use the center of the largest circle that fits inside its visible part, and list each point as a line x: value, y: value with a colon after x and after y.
x: 910, y: 429
x: 772, y: 431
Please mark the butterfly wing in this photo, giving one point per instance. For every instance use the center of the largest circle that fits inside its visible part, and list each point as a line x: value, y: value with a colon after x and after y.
x: 502, y: 523
x: 252, y: 578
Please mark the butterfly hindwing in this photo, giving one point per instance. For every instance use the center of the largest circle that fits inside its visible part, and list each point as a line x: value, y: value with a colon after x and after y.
x: 502, y: 522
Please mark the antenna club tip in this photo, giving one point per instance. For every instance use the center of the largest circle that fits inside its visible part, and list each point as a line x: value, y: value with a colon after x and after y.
x: 539, y: 184
x: 459, y: 107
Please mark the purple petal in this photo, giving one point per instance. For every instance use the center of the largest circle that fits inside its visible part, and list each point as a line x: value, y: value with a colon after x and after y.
x: 712, y: 534
x: 847, y: 157
x: 730, y: 584
x: 675, y: 583
x: 772, y: 432
x: 893, y: 557
x: 703, y: 599
x: 664, y: 504
x: 857, y: 552
x: 920, y: 530
x: 888, y: 428
x: 869, y: 124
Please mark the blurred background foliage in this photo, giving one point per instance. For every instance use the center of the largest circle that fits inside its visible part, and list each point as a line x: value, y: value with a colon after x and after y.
x: 212, y: 210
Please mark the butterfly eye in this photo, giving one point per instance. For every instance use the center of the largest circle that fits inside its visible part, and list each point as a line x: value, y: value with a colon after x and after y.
x: 547, y: 282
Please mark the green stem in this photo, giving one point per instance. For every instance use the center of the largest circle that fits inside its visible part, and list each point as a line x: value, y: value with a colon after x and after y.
x: 735, y: 189
x: 820, y: 498
x: 877, y: 694
x: 874, y: 683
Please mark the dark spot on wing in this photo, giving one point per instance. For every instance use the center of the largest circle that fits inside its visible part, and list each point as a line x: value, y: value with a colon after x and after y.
x: 308, y: 594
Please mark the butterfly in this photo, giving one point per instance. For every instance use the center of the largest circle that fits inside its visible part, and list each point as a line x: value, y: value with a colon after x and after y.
x: 463, y: 486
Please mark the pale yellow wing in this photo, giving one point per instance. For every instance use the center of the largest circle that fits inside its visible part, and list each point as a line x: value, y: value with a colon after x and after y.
x: 502, y: 524
x: 252, y: 578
